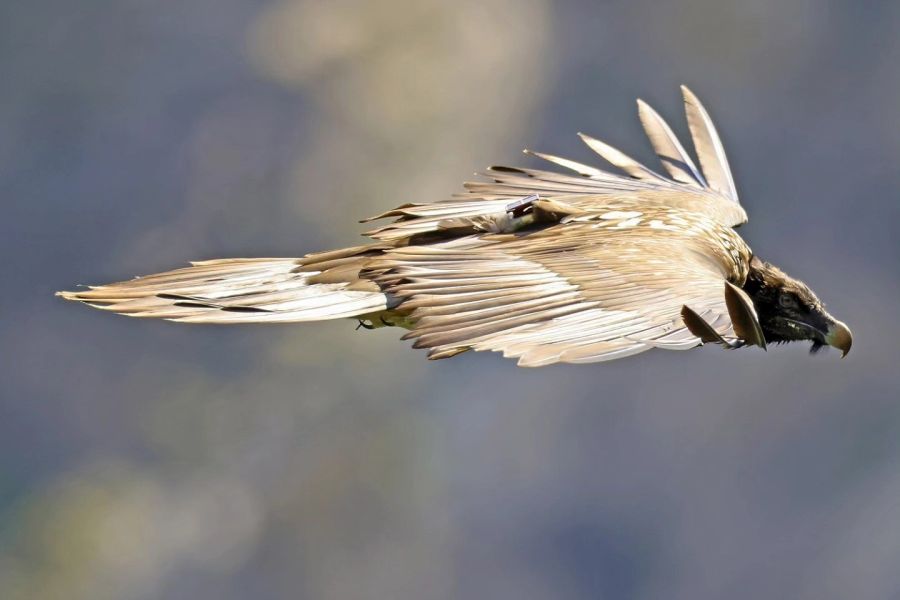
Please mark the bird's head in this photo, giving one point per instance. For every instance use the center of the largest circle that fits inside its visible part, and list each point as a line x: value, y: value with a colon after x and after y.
x: 789, y: 311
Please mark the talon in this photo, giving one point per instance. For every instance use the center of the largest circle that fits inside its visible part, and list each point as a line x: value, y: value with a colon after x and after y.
x: 364, y: 325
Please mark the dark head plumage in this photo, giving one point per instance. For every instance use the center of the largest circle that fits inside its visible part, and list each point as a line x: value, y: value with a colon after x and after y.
x: 790, y: 311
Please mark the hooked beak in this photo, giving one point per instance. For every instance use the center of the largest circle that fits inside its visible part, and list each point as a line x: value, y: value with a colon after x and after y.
x: 839, y: 336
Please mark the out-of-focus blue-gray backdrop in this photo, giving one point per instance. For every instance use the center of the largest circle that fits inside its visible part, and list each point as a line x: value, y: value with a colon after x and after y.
x: 147, y: 460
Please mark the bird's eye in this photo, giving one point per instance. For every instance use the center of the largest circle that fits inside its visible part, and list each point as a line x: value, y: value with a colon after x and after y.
x: 787, y: 301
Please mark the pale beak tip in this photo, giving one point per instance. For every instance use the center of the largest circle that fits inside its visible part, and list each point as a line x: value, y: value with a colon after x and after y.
x: 839, y: 337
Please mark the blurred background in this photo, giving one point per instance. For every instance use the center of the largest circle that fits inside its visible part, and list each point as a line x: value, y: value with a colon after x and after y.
x: 144, y: 460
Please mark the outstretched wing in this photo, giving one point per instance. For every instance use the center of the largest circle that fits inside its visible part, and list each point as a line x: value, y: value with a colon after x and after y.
x: 247, y: 290
x: 590, y: 189
x: 580, y: 292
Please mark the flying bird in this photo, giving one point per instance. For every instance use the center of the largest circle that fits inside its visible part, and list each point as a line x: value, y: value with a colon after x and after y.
x: 577, y: 267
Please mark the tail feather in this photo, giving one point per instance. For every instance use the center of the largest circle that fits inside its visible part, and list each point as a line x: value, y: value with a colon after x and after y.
x: 239, y: 290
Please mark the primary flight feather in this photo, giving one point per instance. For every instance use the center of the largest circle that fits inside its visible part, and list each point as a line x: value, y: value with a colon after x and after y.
x: 542, y: 266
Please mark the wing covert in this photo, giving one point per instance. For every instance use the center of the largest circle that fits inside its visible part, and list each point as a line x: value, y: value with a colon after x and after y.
x: 580, y: 292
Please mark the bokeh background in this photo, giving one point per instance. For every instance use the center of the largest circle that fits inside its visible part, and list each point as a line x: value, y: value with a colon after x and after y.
x: 144, y: 460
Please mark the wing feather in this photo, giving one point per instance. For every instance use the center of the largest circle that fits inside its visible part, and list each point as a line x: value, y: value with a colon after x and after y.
x: 592, y: 189
x: 708, y: 146
x: 272, y: 290
x: 672, y: 154
x: 570, y: 293
x: 619, y: 158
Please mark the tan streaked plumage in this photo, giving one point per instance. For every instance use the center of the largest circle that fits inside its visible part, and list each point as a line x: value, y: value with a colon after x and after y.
x: 542, y: 266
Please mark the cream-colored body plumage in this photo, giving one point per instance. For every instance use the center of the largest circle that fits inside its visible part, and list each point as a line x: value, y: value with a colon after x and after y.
x: 543, y: 266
